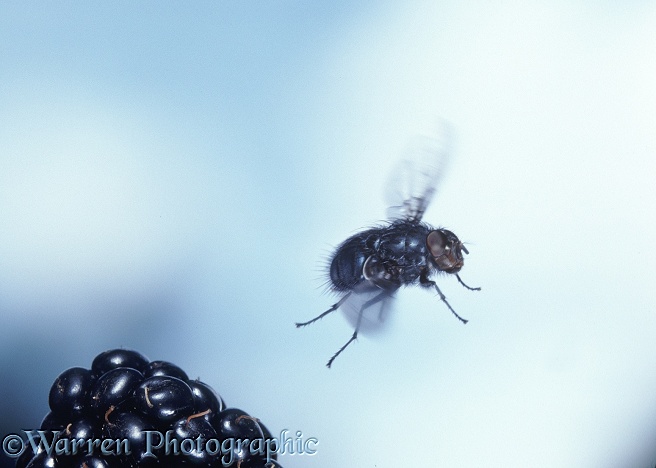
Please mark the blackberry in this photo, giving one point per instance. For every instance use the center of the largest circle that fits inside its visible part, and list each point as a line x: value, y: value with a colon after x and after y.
x: 114, y: 358
x: 165, y: 368
x: 164, y: 399
x: 114, y: 387
x: 126, y: 411
x: 69, y: 392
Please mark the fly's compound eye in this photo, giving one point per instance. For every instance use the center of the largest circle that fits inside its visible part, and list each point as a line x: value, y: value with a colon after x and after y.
x: 437, y: 243
x: 444, y: 246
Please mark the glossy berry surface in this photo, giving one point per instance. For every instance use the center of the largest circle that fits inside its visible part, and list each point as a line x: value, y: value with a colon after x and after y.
x: 53, y: 422
x: 94, y: 462
x: 130, y: 427
x: 42, y: 460
x: 114, y: 387
x: 114, y: 358
x: 165, y: 368
x: 191, y: 429
x: 122, y: 397
x: 205, y: 398
x: 70, y: 392
x: 164, y: 398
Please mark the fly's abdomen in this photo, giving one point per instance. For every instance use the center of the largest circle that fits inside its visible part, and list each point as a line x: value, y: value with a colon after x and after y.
x: 346, y: 266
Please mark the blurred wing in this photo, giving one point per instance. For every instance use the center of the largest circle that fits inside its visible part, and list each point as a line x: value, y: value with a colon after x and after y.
x: 375, y: 304
x: 416, y: 178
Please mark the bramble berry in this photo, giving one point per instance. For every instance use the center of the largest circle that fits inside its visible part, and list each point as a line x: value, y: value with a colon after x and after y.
x: 164, y: 399
x: 114, y: 387
x: 121, y: 398
x: 69, y: 393
x: 165, y: 368
x: 114, y: 358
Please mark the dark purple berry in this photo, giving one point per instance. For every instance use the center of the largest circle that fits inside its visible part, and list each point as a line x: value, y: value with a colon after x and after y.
x: 235, y: 423
x: 131, y: 427
x: 35, y: 447
x: 24, y: 459
x: 205, y: 398
x: 193, y: 428
x: 113, y: 388
x: 52, y: 422
x: 165, y: 368
x: 165, y: 399
x: 42, y: 460
x: 68, y: 395
x: 83, y: 429
x: 114, y: 358
x: 238, y: 425
x: 78, y: 433
x: 96, y: 461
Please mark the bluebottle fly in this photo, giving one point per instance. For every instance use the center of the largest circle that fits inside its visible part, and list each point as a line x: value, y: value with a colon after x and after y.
x: 368, y: 267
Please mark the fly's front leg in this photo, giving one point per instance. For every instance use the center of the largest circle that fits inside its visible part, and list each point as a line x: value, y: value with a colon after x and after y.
x: 463, y: 283
x: 428, y: 283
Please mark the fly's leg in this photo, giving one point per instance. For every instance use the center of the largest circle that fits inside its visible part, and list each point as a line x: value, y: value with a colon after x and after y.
x: 333, y: 308
x: 468, y: 287
x: 351, y: 340
x: 424, y: 281
x: 384, y: 275
x: 354, y: 337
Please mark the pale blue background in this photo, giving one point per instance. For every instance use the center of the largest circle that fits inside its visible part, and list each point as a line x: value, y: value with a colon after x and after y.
x: 172, y: 177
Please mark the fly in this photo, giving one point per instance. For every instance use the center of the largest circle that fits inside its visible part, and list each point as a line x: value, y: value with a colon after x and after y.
x: 371, y: 265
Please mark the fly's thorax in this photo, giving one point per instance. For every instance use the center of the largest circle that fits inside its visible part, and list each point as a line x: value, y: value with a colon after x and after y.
x: 403, y: 240
x: 446, y: 250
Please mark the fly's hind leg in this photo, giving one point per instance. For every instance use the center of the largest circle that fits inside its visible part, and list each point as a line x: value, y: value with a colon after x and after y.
x: 379, y: 297
x: 333, y: 308
x: 428, y: 283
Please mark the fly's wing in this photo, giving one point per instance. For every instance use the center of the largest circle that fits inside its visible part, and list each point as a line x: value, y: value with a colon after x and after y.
x: 373, y: 303
x: 415, y: 179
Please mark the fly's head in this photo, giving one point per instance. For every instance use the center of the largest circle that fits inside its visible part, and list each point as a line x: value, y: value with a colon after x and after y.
x: 446, y: 250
